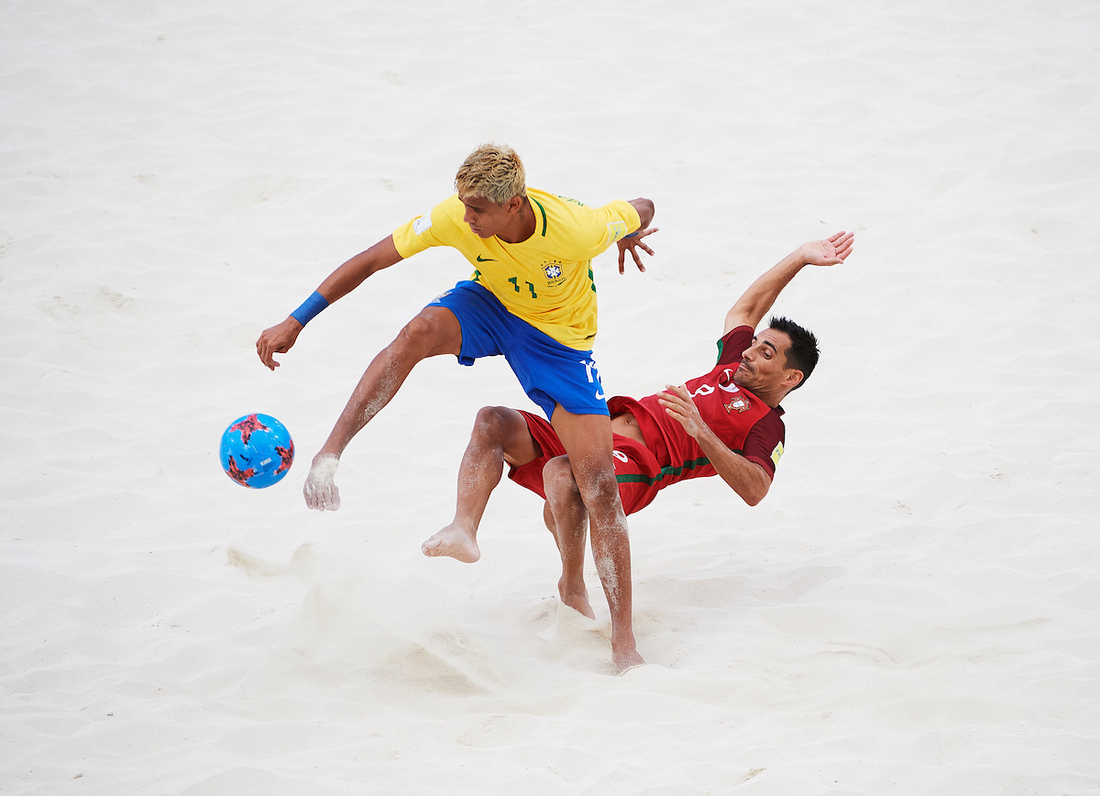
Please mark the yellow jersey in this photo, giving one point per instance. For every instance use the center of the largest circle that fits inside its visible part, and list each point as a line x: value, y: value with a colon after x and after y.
x: 547, y: 279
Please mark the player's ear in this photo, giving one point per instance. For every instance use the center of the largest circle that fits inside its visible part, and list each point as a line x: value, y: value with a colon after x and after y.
x: 793, y: 378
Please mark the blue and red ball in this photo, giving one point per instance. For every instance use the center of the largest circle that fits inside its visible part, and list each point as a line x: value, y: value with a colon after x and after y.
x: 256, y: 451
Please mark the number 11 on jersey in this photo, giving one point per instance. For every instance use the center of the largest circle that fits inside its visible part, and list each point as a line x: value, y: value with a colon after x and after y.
x: 515, y: 283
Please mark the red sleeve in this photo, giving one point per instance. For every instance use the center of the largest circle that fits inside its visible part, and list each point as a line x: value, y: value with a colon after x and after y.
x: 764, y: 443
x: 733, y: 345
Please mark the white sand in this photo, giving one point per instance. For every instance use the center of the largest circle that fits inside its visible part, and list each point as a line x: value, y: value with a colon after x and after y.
x: 913, y: 609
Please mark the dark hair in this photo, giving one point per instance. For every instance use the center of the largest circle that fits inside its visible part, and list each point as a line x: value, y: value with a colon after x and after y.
x: 803, y: 353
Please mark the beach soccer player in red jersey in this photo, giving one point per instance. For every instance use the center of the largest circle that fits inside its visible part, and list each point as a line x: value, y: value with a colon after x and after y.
x: 727, y: 422
x: 531, y: 298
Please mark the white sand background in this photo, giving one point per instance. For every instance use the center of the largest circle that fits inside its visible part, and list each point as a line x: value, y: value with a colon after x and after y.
x: 915, y: 607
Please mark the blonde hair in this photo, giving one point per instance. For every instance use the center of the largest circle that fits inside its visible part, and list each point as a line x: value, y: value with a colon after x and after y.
x: 493, y: 172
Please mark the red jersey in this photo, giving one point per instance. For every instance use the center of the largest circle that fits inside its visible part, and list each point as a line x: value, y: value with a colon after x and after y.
x: 744, y: 423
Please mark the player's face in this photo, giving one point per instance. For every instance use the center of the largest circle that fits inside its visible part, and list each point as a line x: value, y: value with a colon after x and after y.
x: 485, y: 218
x: 764, y: 363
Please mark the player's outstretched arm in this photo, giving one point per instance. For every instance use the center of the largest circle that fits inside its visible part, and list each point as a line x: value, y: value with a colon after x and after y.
x: 758, y: 299
x: 747, y: 479
x: 280, y: 338
x: 635, y: 241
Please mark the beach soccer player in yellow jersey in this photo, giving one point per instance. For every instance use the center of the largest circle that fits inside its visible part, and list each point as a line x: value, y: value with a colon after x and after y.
x: 532, y: 299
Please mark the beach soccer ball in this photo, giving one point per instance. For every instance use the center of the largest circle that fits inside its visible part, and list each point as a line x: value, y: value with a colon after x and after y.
x: 257, y: 451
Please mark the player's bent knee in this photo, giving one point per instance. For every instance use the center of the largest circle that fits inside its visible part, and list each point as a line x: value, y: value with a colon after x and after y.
x: 418, y: 334
x: 558, y: 478
x: 430, y: 333
x: 491, y: 423
x: 597, y: 487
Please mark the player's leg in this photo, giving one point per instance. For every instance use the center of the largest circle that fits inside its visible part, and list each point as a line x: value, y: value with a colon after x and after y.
x: 499, y: 435
x: 567, y: 519
x: 434, y: 331
x: 588, y: 441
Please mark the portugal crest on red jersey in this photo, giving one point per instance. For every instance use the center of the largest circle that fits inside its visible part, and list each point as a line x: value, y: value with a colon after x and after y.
x: 737, y: 404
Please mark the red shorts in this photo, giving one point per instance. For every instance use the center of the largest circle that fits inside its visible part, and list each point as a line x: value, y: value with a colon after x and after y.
x: 636, y: 469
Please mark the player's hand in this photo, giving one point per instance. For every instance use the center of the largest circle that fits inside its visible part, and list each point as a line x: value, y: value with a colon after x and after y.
x: 678, y: 404
x: 277, y: 340
x: 831, y: 251
x: 632, y: 245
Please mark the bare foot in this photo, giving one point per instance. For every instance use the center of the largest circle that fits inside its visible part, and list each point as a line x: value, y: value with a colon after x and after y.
x: 626, y: 659
x: 453, y: 541
x: 576, y: 597
x: 320, y: 488
x: 624, y: 650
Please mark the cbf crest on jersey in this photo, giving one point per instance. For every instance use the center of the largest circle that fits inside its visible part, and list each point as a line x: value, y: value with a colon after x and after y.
x: 554, y: 273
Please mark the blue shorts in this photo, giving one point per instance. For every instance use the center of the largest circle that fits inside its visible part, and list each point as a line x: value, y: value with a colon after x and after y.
x: 549, y: 372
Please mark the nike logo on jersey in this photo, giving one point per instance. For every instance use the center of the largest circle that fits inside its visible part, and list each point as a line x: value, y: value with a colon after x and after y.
x: 725, y: 381
x: 481, y: 259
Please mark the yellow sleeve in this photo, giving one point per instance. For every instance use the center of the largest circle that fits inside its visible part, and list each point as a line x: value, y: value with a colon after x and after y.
x: 579, y: 232
x: 419, y: 234
x: 406, y: 240
x: 622, y: 219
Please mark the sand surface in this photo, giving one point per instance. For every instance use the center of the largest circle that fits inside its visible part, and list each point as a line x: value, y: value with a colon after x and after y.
x: 912, y: 610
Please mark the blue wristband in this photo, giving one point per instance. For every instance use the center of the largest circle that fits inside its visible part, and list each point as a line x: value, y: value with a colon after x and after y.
x: 310, y: 308
x: 631, y: 235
